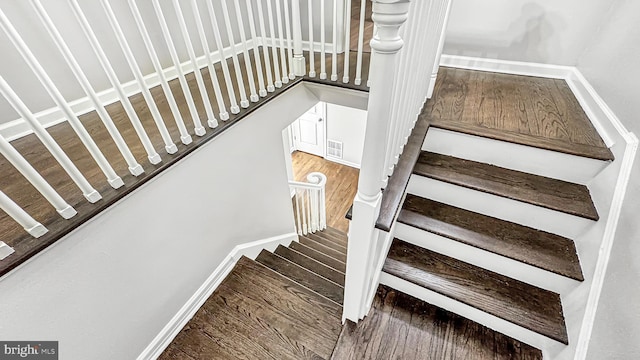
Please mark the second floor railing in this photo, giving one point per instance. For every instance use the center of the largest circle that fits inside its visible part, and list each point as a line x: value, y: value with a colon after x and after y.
x: 309, y: 203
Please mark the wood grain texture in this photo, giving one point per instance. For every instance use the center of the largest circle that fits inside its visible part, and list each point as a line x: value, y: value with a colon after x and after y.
x: 258, y: 314
x: 317, y: 255
x: 328, y: 243
x: 338, y: 240
x: 526, y: 110
x: 530, y: 246
x: 522, y: 304
x: 538, y: 190
x: 338, y: 234
x: 323, y: 249
x: 302, y: 276
x: 342, y: 183
x: 311, y: 264
x: 402, y: 327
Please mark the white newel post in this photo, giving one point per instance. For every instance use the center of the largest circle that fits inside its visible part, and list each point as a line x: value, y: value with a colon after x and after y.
x: 388, y: 16
x: 299, y: 66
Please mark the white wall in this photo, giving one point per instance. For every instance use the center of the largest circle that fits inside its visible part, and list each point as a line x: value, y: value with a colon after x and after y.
x: 109, y: 287
x: 24, y: 18
x: 545, y: 31
x: 347, y: 125
x: 610, y: 65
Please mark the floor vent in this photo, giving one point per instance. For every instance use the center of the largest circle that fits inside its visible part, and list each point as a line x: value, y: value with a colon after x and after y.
x: 334, y: 149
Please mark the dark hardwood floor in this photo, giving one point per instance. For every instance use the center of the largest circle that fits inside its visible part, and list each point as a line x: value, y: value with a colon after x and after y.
x: 402, y: 327
x: 527, y: 110
x: 342, y: 184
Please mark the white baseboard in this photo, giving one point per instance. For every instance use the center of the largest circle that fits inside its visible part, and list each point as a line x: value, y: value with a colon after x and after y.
x: 18, y: 128
x: 506, y: 66
x: 189, y: 309
x: 342, y: 162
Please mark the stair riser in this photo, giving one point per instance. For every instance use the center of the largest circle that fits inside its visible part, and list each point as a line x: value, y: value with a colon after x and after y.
x: 517, y: 332
x: 552, y: 164
x: 533, y: 216
x: 485, y: 259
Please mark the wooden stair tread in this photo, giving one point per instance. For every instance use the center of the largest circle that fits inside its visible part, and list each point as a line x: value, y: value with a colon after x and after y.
x: 326, y: 242
x: 422, y: 331
x: 549, y: 193
x: 522, y: 304
x: 257, y: 313
x: 534, y: 247
x: 336, y: 239
x: 311, y: 264
x: 302, y: 276
x: 322, y: 248
x: 317, y: 255
x: 336, y: 233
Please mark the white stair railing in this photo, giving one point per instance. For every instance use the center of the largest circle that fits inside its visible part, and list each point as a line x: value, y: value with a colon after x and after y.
x: 309, y: 203
x: 406, y: 47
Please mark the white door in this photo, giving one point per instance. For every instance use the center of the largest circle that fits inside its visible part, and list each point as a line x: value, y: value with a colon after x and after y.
x: 308, y: 134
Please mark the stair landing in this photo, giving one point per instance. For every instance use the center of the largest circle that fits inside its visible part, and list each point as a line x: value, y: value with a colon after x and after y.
x: 525, y: 110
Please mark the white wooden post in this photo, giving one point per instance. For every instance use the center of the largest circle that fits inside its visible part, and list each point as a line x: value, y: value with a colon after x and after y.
x: 25, y: 220
x: 388, y: 15
x: 299, y: 66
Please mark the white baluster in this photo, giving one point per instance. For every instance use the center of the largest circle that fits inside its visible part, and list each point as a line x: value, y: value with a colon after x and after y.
x: 198, y: 128
x: 265, y: 48
x: 15, y: 158
x: 152, y: 155
x: 334, y: 56
x: 436, y: 64
x: 299, y: 67
x: 87, y: 190
x: 204, y: 94
x: 185, y: 138
x: 388, y: 16
x: 245, y: 51
x: 5, y: 250
x: 25, y: 220
x: 299, y: 219
x: 223, y: 60
x: 114, y: 180
x: 363, y: 7
x: 169, y: 146
x: 304, y: 212
x: 307, y: 208
x: 224, y: 115
x: 287, y: 26
x: 256, y: 50
x: 274, y: 51
x: 134, y: 167
x: 244, y: 102
x: 312, y: 65
x: 323, y: 42
x: 347, y: 42
x: 283, y: 56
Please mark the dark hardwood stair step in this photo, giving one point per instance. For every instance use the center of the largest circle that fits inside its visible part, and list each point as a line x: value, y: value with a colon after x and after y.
x: 302, y: 276
x: 311, y: 264
x: 583, y: 150
x: 538, y: 190
x: 522, y: 304
x: 317, y: 255
x: 340, y: 235
x: 336, y: 239
x: 326, y: 242
x: 322, y: 248
x: 541, y: 249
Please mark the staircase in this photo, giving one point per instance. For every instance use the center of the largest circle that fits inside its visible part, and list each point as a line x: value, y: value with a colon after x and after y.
x: 489, y: 232
x: 286, y: 304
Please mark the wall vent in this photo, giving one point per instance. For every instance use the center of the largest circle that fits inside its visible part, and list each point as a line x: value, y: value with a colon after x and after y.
x: 334, y: 149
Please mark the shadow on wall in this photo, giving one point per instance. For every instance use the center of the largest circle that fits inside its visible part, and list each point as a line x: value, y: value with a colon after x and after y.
x: 524, y: 38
